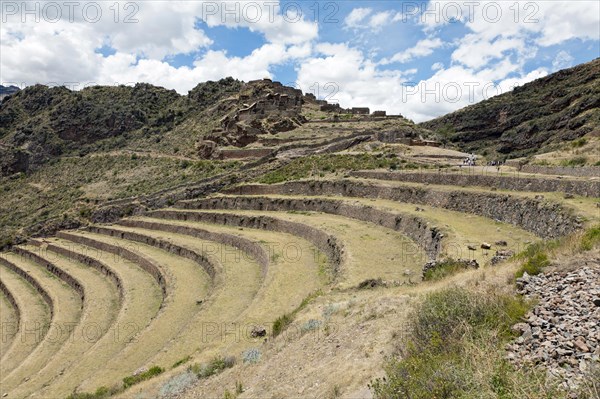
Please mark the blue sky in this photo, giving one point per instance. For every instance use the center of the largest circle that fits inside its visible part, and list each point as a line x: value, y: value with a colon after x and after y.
x: 418, y: 58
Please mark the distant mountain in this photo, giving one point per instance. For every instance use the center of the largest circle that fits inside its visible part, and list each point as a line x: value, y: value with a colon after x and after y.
x: 532, y: 118
x: 7, y: 91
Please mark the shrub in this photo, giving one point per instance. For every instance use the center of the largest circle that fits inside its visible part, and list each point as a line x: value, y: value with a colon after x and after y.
x: 181, y: 361
x: 577, y: 161
x: 445, y: 268
x: 579, y: 142
x: 177, y: 385
x: 534, y: 265
x: 455, y: 349
x: 135, y: 379
x: 215, y: 366
x: 281, y: 324
x: 251, y: 356
x: 590, y: 238
x: 311, y: 325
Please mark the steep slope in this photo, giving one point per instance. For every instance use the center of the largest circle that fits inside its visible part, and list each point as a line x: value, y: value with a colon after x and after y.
x: 533, y: 118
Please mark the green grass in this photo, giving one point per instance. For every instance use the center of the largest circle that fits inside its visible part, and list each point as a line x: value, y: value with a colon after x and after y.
x: 577, y: 161
x: 283, y: 322
x: 591, y: 238
x: 101, y: 393
x: 446, y: 268
x: 181, y: 361
x: 215, y: 366
x: 146, y: 375
x: 454, y: 348
x: 534, y: 265
x: 579, y: 142
x: 304, y: 167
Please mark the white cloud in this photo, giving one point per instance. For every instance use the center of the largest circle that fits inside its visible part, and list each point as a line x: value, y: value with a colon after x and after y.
x: 475, y: 51
x: 380, y: 19
x: 361, y: 83
x: 423, y: 48
x: 562, y: 60
x: 437, y: 66
x: 356, y: 17
x: 65, y: 51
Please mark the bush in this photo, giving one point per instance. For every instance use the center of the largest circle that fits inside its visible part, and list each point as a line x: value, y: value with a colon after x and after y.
x: 579, y: 142
x: 311, y: 325
x: 534, y: 265
x: 177, y: 385
x: 455, y: 349
x: 135, y: 379
x: 591, y: 238
x: 215, y: 366
x: 281, y: 324
x: 445, y: 268
x: 181, y: 361
x: 251, y: 356
x: 577, y: 161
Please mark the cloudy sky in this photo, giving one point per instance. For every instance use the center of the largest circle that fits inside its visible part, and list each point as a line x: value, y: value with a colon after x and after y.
x: 418, y: 58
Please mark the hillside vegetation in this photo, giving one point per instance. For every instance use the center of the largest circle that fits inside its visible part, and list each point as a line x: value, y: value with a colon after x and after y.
x: 534, y: 118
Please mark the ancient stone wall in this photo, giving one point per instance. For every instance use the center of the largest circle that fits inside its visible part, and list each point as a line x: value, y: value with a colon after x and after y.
x: 583, y: 171
x: 247, y: 153
x: 424, y: 236
x: 52, y: 268
x: 147, y: 265
x: 34, y: 283
x: 88, y: 261
x: 543, y: 218
x: 243, y: 244
x: 209, y: 267
x: 579, y: 171
x: 9, y: 296
x: 327, y: 243
x: 579, y: 187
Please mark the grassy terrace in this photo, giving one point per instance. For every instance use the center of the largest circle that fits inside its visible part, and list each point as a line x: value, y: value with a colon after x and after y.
x: 381, y: 260
x: 35, y: 315
x: 67, y: 312
x: 101, y: 309
x: 142, y: 300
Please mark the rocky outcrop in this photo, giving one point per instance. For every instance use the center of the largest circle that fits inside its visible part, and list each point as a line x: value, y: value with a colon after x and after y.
x: 584, y: 188
x: 543, y: 218
x: 562, y: 332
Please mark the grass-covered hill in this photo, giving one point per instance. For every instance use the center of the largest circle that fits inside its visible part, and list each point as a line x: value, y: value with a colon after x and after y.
x: 40, y: 123
x: 536, y: 117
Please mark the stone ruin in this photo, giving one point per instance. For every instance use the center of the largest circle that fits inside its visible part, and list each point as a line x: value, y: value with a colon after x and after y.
x: 261, y: 107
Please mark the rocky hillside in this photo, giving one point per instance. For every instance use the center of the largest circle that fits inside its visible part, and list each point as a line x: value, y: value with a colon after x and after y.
x: 533, y: 118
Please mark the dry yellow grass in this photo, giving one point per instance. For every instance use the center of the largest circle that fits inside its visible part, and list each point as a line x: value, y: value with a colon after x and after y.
x: 101, y: 307
x: 142, y: 301
x: 243, y: 299
x: 9, y: 321
x: 187, y: 282
x: 371, y: 251
x: 460, y: 229
x: 35, y: 317
x: 67, y: 313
